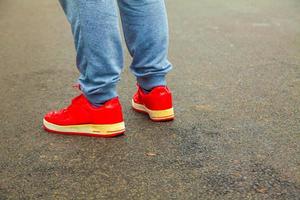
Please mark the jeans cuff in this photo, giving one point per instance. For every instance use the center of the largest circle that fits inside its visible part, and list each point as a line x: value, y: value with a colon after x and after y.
x: 149, y: 82
x: 98, y: 99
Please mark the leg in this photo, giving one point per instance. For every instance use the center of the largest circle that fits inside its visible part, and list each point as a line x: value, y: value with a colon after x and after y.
x: 146, y: 33
x: 99, y: 60
x: 98, y: 44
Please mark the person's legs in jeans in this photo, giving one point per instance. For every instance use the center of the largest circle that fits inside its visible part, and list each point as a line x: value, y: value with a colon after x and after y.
x: 98, y: 44
x: 97, y: 112
x: 99, y: 52
x: 145, y: 29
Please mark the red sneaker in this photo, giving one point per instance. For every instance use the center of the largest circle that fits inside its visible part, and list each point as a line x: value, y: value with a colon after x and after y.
x: 157, y: 103
x: 81, y: 118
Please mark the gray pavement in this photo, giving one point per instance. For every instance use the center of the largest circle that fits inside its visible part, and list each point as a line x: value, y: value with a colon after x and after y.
x: 236, y: 84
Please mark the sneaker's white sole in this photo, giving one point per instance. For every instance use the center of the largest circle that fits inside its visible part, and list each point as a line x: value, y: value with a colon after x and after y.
x: 100, y: 130
x: 155, y: 115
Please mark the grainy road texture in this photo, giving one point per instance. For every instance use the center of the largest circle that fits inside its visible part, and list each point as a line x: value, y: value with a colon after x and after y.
x: 236, y: 84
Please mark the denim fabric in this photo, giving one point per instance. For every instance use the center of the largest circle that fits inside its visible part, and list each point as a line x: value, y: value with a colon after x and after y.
x: 98, y: 43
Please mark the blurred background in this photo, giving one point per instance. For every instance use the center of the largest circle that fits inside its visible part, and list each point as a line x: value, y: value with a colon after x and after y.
x: 236, y: 83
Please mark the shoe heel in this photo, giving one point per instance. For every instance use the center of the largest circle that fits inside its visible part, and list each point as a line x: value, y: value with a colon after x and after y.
x: 155, y: 115
x: 161, y: 115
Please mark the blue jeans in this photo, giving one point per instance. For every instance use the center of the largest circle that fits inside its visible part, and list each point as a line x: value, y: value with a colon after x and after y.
x: 98, y: 43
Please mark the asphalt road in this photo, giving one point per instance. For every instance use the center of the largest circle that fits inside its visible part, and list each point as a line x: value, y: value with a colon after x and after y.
x: 236, y: 84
